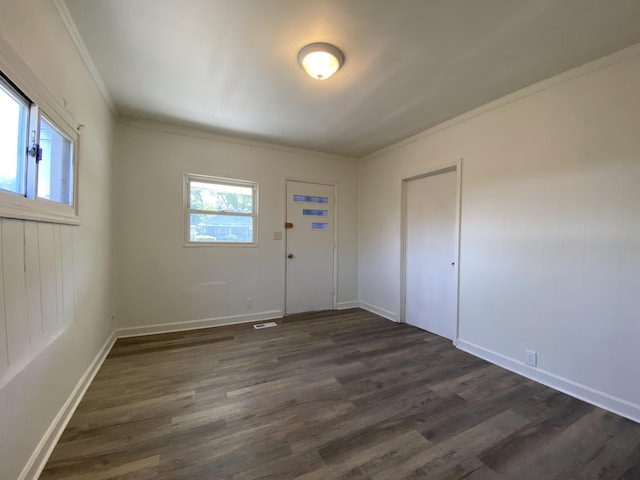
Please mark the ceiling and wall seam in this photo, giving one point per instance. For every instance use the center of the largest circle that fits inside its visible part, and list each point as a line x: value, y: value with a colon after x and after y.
x: 516, y: 95
x: 76, y: 38
x: 174, y: 129
x: 567, y: 76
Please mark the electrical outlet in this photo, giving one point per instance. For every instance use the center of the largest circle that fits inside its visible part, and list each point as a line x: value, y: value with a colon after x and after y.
x: 248, y: 303
x: 531, y: 358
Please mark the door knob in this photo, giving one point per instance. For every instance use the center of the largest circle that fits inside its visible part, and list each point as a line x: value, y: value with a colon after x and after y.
x: 290, y: 255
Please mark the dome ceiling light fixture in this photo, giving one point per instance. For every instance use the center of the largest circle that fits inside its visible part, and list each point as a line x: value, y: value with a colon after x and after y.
x: 320, y: 60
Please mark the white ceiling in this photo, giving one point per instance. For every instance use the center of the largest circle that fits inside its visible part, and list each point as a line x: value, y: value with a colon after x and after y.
x: 231, y: 65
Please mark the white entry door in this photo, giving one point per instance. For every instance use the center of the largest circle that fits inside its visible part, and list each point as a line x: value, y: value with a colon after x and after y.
x: 431, y: 282
x: 310, y: 247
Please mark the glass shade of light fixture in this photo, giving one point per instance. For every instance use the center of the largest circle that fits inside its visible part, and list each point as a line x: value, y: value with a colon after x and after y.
x: 320, y: 60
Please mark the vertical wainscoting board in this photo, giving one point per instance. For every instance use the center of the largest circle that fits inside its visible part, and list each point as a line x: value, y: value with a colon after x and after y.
x: 48, y: 278
x: 15, y: 296
x: 32, y: 271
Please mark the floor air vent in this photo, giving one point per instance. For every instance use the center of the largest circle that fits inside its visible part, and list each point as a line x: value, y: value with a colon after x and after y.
x: 258, y: 326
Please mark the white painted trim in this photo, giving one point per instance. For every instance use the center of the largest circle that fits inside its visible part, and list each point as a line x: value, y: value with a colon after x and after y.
x: 41, y: 454
x: 76, y: 38
x: 38, y: 209
x: 127, y: 332
x: 44, y: 104
x: 215, y: 180
x: 379, y: 311
x: 336, y: 243
x: 348, y: 305
x: 204, y: 134
x: 335, y: 236
x: 583, y: 392
x: 598, y: 64
x: 444, y: 168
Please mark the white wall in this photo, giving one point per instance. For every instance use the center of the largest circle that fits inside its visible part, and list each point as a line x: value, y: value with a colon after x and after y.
x: 550, y: 229
x: 57, y: 279
x: 161, y: 282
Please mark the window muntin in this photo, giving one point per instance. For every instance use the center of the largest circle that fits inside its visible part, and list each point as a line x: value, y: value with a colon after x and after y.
x: 14, y: 124
x: 220, y: 211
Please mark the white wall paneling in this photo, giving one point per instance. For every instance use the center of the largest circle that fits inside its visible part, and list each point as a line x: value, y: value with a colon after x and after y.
x: 68, y: 281
x: 38, y: 289
x: 34, y: 292
x: 15, y: 295
x: 49, y: 277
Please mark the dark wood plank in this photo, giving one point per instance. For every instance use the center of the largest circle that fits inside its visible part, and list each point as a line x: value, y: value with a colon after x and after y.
x: 329, y: 395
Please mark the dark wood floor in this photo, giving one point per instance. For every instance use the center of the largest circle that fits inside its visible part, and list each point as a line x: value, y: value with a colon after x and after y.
x: 334, y: 395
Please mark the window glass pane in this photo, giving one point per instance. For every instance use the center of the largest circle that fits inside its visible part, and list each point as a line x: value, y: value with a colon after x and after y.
x: 55, y: 170
x: 316, y: 213
x: 319, y: 226
x: 14, y: 117
x: 306, y: 198
x: 220, y: 228
x: 220, y: 197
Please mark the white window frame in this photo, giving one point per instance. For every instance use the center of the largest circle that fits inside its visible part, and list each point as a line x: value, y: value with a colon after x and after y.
x: 188, y: 178
x: 29, y: 206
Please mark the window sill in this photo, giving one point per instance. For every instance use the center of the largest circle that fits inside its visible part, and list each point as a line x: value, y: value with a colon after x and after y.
x: 219, y: 244
x: 38, y: 210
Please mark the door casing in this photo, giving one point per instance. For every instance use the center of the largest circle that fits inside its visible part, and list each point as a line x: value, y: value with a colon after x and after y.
x: 335, y: 235
x: 457, y: 166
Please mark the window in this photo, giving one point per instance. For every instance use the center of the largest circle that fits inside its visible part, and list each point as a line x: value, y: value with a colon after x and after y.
x: 14, y: 123
x: 55, y: 172
x: 220, y: 211
x: 37, y: 160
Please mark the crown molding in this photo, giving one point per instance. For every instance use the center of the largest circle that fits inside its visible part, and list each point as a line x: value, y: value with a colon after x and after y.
x: 70, y: 25
x: 205, y: 134
x: 572, y: 74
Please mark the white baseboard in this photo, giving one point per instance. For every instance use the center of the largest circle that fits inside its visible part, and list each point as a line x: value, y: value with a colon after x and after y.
x: 41, y: 454
x: 590, y: 395
x: 196, y: 324
x: 379, y: 311
x: 347, y: 305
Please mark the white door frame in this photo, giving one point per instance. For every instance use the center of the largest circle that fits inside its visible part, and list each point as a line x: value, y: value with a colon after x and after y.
x: 454, y: 166
x: 335, y: 237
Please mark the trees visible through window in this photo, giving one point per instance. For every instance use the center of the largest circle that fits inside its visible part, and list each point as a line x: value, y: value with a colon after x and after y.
x: 220, y: 210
